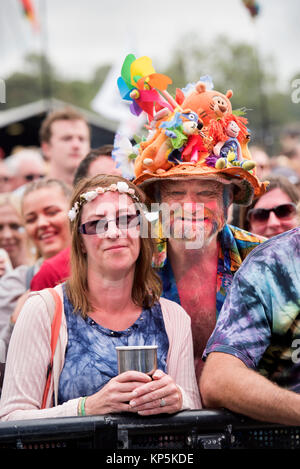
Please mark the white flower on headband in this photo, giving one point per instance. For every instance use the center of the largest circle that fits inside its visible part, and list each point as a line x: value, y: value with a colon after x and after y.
x: 122, y: 187
x: 72, y: 214
x: 89, y: 196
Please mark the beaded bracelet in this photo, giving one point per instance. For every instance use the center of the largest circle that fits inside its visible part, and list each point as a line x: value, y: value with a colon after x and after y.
x: 81, y: 407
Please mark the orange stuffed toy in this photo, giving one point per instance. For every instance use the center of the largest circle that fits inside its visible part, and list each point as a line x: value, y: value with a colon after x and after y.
x: 153, y: 153
x: 212, y: 108
x: 208, y: 104
x: 170, y: 131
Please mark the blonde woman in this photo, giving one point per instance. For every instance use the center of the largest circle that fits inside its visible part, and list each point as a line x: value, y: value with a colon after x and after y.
x: 12, y: 233
x: 44, y: 210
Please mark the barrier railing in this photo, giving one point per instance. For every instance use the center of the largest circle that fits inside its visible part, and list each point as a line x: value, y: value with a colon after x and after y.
x: 203, y: 429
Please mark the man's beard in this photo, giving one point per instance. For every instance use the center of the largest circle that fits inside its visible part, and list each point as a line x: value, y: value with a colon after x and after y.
x: 195, y: 229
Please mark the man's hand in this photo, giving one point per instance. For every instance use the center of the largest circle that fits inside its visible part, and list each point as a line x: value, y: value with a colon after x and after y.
x: 227, y: 382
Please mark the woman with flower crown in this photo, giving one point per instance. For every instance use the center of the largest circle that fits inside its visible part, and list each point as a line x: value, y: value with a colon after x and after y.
x: 112, y: 298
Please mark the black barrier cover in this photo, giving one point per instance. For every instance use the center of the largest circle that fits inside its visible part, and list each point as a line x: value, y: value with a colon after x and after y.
x: 186, y: 431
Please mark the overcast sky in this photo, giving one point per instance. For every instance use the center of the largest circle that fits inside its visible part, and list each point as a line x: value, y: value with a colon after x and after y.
x: 81, y: 34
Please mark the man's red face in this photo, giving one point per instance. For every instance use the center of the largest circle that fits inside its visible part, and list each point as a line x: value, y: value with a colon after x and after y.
x: 196, y: 208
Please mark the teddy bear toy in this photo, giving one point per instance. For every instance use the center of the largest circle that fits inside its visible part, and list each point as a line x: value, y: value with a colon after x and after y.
x: 208, y: 104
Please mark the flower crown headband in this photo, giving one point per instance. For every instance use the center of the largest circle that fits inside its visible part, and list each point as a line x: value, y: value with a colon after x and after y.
x: 122, y: 187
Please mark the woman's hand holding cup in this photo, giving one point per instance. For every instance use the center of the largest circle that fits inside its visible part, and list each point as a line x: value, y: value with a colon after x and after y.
x: 116, y: 394
x: 161, y: 395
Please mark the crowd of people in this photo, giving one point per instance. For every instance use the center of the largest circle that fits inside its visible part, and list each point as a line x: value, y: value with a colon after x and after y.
x: 224, y: 314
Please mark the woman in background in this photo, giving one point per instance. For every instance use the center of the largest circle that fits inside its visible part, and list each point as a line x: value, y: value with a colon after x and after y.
x: 13, y: 238
x: 44, y: 208
x: 275, y: 211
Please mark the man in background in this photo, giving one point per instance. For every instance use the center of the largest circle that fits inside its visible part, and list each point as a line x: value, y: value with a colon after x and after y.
x: 98, y: 161
x: 65, y: 141
x: 25, y: 166
x: 262, y: 159
x: 252, y: 358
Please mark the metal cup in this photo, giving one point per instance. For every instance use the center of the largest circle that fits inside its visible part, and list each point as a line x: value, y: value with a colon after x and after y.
x: 139, y: 358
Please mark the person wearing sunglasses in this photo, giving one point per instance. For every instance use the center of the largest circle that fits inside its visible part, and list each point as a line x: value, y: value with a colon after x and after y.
x: 274, y: 212
x: 25, y: 165
x: 5, y: 177
x: 111, y: 298
x: 32, y: 177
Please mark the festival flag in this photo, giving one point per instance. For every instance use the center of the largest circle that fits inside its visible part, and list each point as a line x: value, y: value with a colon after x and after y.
x: 30, y: 13
x: 252, y: 6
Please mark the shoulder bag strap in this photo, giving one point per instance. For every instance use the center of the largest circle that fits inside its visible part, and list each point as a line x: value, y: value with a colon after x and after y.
x: 55, y: 328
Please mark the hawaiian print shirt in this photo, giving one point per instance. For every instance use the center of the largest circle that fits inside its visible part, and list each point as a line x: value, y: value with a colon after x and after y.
x: 234, y: 246
x: 260, y: 319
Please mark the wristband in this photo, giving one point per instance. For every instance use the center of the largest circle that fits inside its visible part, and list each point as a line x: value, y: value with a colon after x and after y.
x: 81, y: 407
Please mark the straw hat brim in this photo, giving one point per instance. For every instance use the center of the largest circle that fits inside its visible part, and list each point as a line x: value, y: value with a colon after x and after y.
x: 246, y: 185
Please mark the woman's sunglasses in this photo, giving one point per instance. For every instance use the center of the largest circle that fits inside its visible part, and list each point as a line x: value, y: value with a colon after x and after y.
x: 123, y: 222
x: 281, y: 211
x: 32, y: 177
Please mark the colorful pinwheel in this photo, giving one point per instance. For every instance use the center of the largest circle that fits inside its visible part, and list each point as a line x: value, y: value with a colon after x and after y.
x: 140, y: 83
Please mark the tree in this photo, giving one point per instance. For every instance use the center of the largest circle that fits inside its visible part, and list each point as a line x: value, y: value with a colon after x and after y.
x: 237, y: 66
x: 39, y: 79
x: 232, y: 65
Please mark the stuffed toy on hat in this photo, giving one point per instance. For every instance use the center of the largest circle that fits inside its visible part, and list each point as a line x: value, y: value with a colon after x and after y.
x: 194, y: 135
x: 175, y: 138
x: 208, y: 104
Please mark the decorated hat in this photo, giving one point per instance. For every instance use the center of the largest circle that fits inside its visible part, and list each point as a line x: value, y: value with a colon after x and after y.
x: 194, y: 135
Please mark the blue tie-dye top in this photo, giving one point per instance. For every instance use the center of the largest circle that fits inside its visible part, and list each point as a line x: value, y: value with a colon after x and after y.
x: 234, y: 246
x: 91, y: 358
x: 260, y: 320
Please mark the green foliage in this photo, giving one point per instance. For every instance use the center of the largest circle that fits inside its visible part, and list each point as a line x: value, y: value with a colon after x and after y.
x: 237, y: 66
x: 39, y: 79
x: 21, y: 88
x: 231, y: 65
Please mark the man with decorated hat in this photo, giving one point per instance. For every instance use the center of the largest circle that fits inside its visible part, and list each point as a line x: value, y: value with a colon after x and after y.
x: 193, y: 165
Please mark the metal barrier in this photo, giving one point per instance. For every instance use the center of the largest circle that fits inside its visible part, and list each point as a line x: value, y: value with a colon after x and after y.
x: 186, y: 431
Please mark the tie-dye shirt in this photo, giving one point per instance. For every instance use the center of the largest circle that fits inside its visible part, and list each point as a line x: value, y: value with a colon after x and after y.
x: 234, y: 246
x: 260, y: 319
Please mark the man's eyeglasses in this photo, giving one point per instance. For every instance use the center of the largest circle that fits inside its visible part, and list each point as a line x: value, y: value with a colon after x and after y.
x: 13, y: 227
x: 281, y: 211
x: 4, y: 179
x: 123, y: 222
x: 32, y: 177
